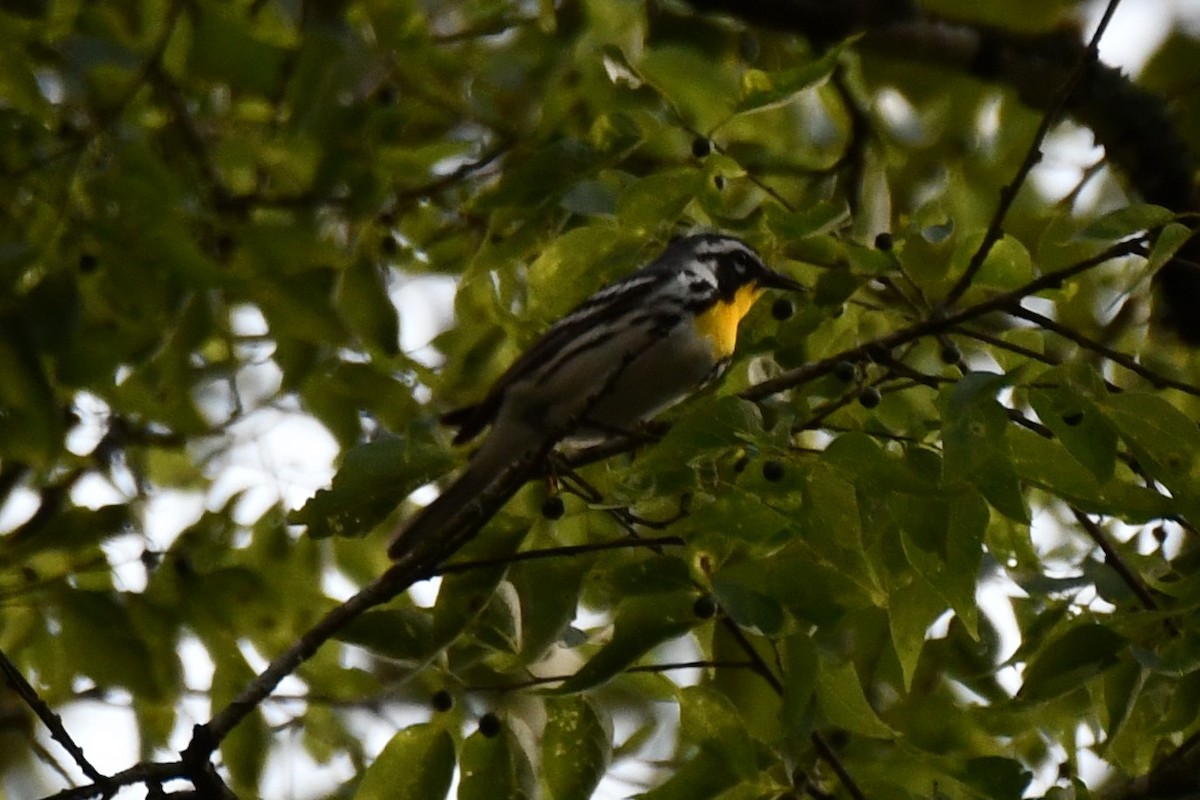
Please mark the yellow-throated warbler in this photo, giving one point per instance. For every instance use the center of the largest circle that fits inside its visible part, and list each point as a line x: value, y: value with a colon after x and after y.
x: 626, y: 353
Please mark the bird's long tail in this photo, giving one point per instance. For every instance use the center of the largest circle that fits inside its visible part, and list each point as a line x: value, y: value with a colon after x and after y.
x: 492, y: 476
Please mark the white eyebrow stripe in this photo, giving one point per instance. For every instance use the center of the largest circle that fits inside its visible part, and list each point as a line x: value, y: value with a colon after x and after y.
x: 722, y: 247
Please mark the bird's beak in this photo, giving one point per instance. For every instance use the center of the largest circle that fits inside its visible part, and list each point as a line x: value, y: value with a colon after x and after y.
x: 770, y: 279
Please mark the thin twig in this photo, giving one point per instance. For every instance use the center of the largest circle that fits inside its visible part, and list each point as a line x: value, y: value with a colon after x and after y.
x: 147, y: 773
x: 1113, y: 559
x: 936, y: 324
x: 670, y: 666
x: 566, y: 551
x: 107, y: 116
x: 830, y: 757
x: 1116, y: 356
x: 1034, y: 155
x: 51, y: 720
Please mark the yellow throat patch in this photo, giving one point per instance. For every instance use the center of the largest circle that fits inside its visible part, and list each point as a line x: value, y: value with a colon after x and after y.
x: 720, y: 323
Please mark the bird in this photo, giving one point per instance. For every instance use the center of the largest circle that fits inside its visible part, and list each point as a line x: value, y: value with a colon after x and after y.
x: 625, y: 354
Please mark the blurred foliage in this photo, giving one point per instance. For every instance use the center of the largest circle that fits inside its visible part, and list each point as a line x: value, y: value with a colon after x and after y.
x: 210, y: 210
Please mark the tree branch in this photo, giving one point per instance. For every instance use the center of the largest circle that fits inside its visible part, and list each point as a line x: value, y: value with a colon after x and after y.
x: 1117, y: 357
x: 51, y: 720
x: 1032, y: 156
x: 1134, y: 126
x: 147, y: 773
x: 936, y: 323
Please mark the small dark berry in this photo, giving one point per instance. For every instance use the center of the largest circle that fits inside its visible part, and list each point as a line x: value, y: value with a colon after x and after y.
x: 782, y: 309
x: 772, y: 471
x: 553, y: 508
x: 88, y: 263
x: 950, y: 353
x: 388, y: 245
x: 489, y: 725
x: 442, y: 700
x: 869, y: 397
x: 705, y: 607
x: 1073, y: 419
x: 844, y: 371
x: 884, y: 241
x: 701, y: 146
x: 719, y: 182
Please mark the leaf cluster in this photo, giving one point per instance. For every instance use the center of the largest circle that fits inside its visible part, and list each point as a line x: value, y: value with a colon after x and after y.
x: 905, y: 549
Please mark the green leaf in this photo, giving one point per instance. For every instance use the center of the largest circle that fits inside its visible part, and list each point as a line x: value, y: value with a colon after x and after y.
x: 748, y: 605
x: 576, y: 748
x: 463, y: 597
x: 841, y: 699
x: 74, y: 530
x: 649, y: 574
x: 416, y: 764
x: 724, y: 753
x: 223, y: 50
x: 1076, y: 421
x: 646, y: 203
x: 372, y: 479
x: 765, y: 90
x: 403, y: 634
x: 912, y: 608
x: 975, y: 448
x: 541, y: 177
x: 1127, y: 221
x: 943, y: 540
x: 810, y: 591
x: 1047, y: 464
x: 1165, y: 441
x: 1170, y: 240
x: 699, y: 778
x: 708, y: 425
x: 834, y: 287
x: 499, y: 626
x: 683, y: 74
x: 549, y: 591
x: 708, y: 717
x: 244, y: 750
x: 1008, y: 265
x: 32, y: 426
x: 1066, y: 663
x: 362, y: 299
x: 101, y: 641
x: 813, y: 220
x: 18, y: 83
x: 801, y: 664
x: 968, y: 521
x: 494, y: 768
x: 996, y: 776
x: 641, y: 624
x: 833, y: 525
x: 743, y: 514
